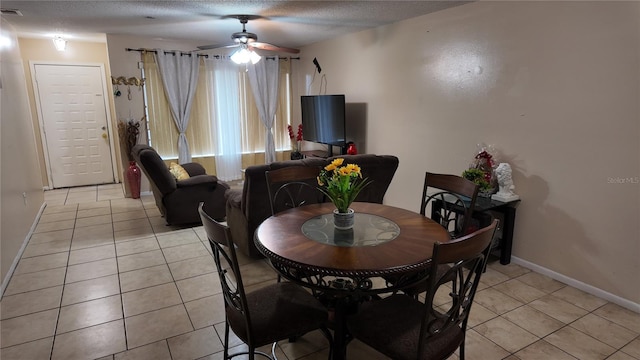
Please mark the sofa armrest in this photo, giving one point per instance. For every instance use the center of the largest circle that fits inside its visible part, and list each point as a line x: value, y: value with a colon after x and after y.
x: 216, y: 206
x: 233, y: 198
x: 198, y: 180
x: 238, y: 224
x: 182, y: 204
x: 194, y: 169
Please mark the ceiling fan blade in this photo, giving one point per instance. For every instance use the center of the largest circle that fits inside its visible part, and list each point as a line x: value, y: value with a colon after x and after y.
x: 210, y: 47
x: 270, y: 47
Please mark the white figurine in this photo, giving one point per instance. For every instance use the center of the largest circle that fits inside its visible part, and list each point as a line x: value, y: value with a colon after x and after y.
x: 505, y: 184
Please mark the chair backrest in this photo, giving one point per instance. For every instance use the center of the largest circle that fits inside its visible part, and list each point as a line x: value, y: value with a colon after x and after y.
x: 293, y: 186
x: 466, y: 258
x: 155, y: 168
x: 451, y: 199
x: 224, y: 254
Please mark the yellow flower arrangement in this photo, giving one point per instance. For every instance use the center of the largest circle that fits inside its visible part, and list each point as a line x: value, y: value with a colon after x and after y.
x: 341, y: 184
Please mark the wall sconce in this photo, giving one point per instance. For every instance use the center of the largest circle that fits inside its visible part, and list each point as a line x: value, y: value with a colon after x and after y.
x: 59, y: 43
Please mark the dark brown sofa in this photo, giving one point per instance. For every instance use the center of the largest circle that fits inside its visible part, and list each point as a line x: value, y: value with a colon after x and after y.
x: 178, y: 200
x: 249, y: 207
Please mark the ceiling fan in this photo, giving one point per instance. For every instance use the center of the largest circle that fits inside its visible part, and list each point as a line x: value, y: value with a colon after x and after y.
x: 247, y: 40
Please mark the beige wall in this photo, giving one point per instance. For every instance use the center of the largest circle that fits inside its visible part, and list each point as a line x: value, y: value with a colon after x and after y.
x: 77, y: 52
x: 21, y: 194
x: 554, y: 86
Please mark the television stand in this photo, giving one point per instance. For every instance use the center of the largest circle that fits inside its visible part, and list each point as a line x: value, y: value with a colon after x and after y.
x: 315, y: 153
x: 324, y: 153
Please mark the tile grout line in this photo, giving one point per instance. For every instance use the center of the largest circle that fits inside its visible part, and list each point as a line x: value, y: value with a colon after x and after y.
x: 124, y: 320
x: 64, y: 283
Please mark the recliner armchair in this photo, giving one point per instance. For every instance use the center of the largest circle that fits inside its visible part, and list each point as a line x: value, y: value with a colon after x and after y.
x: 178, y: 200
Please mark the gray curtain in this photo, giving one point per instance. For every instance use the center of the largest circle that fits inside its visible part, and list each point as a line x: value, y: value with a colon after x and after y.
x: 223, y: 88
x: 179, y: 73
x: 264, y: 77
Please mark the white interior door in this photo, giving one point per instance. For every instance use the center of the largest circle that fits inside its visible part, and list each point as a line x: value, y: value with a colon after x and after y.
x: 74, y: 119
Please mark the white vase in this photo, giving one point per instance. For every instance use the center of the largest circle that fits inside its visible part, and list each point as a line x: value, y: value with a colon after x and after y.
x: 343, y: 221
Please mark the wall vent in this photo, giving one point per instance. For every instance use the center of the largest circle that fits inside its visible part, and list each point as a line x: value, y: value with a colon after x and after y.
x: 15, y: 12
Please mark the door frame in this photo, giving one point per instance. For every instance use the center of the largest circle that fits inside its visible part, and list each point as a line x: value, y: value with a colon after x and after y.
x: 105, y: 98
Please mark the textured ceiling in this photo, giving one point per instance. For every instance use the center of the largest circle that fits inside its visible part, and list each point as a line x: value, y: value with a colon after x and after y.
x: 285, y: 23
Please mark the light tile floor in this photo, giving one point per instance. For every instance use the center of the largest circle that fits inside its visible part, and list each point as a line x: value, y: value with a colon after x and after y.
x: 103, y: 277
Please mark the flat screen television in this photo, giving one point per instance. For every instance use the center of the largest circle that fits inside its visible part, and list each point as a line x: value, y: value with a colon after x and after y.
x: 323, y: 119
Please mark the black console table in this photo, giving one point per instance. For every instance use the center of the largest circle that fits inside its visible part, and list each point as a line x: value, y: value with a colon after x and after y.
x: 504, y: 235
x: 484, y: 212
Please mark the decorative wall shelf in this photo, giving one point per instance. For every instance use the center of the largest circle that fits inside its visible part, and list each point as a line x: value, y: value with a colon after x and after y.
x: 132, y: 81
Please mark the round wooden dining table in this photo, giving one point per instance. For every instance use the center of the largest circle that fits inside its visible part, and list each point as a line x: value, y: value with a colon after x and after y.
x: 386, y: 242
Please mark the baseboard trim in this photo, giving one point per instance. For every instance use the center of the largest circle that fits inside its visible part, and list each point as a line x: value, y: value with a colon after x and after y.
x: 14, y: 264
x: 625, y: 303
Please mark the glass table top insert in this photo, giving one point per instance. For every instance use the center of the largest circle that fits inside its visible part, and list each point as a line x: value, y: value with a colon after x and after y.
x: 368, y: 230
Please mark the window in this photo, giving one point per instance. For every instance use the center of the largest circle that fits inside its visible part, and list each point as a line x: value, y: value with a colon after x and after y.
x: 201, y: 131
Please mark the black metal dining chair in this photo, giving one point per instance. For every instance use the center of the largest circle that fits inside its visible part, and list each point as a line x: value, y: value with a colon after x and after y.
x: 265, y: 316
x: 403, y: 328
x: 293, y: 186
x: 451, y: 200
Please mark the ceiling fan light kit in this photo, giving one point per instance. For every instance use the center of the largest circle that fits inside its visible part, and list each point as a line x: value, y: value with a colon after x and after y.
x: 244, y: 55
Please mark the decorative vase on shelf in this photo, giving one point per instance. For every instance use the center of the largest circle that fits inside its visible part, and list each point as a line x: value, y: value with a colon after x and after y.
x: 343, y: 221
x: 296, y: 155
x: 133, y: 178
x: 486, y: 192
x: 351, y: 149
x: 296, y: 142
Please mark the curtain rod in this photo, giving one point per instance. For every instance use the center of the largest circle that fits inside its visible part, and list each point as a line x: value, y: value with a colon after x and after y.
x: 169, y: 51
x: 202, y: 55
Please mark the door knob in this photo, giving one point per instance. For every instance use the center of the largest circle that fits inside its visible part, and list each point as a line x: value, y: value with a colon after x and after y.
x: 104, y: 135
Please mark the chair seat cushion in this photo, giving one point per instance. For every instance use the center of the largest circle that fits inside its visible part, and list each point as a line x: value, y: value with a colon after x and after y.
x: 281, y: 309
x: 392, y: 326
